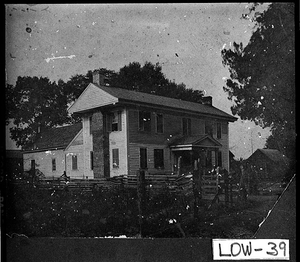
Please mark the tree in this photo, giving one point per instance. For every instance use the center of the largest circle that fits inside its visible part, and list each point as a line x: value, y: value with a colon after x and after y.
x: 32, y: 104
x: 149, y: 78
x: 262, y: 74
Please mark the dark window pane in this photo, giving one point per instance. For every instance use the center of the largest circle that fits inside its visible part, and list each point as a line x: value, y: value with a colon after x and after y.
x: 33, y: 164
x: 74, y: 162
x: 208, y: 128
x: 143, y: 158
x: 144, y: 121
x: 158, y: 158
x: 53, y: 164
x: 115, y: 121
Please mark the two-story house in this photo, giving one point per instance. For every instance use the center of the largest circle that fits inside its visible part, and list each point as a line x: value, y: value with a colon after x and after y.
x: 125, y: 131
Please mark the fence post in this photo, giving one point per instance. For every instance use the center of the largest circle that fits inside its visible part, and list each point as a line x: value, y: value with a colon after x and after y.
x: 230, y: 182
x: 141, y: 193
x: 226, y: 186
x: 196, y: 190
x: 242, y: 186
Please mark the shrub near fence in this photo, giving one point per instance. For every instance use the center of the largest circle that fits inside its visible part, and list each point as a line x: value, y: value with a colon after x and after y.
x: 50, y: 211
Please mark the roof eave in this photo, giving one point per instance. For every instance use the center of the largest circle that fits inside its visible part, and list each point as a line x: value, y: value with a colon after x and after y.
x: 44, y: 149
x: 130, y: 102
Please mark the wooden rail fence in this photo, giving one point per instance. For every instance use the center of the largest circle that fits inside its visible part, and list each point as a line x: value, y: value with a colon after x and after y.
x: 153, y: 182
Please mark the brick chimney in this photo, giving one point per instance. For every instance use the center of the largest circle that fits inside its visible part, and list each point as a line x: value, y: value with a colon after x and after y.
x: 207, y: 100
x: 100, y: 79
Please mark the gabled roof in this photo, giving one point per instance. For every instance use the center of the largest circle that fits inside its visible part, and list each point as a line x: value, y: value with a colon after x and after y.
x: 195, y: 141
x: 56, y: 138
x: 92, y: 98
x: 274, y: 155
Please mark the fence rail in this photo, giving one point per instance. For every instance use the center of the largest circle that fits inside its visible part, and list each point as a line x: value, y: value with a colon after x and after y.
x: 175, y: 183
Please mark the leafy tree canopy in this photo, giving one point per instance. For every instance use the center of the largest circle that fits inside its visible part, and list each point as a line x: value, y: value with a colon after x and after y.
x: 262, y: 74
x: 38, y: 103
x: 150, y: 79
x: 34, y: 103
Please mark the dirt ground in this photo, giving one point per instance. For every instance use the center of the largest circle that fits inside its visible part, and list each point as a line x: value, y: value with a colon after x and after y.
x: 242, y: 219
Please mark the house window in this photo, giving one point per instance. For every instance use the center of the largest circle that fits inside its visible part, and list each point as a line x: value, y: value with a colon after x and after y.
x: 74, y: 162
x: 220, y: 159
x: 92, y: 160
x: 208, y: 128
x: 219, y: 130
x: 143, y: 158
x: 114, y: 121
x: 144, y: 121
x: 224, y: 128
x: 53, y: 164
x: 159, y: 158
x: 186, y: 126
x: 115, y: 158
x: 159, y: 123
x: 32, y: 164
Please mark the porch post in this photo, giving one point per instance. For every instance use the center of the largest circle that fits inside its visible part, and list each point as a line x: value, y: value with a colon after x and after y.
x: 216, y: 157
x: 179, y: 165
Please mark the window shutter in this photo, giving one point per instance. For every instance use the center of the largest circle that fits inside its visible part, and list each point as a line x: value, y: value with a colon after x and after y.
x: 214, y: 127
x: 91, y: 160
x: 120, y: 120
x: 219, y: 131
x: 220, y: 159
x: 224, y: 128
x: 90, y: 123
x: 141, y: 122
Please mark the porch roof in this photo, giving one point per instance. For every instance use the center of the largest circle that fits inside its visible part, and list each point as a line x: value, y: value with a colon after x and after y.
x: 192, y: 142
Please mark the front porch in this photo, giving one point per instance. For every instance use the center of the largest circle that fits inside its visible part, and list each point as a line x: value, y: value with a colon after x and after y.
x: 198, y: 153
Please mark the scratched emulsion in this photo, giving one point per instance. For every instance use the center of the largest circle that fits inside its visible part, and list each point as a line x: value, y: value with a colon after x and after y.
x: 59, y: 41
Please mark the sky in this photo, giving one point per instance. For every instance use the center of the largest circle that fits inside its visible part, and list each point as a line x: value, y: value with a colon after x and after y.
x: 61, y: 40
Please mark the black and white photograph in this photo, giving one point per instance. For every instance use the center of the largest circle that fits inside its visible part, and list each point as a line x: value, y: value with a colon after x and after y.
x: 149, y: 132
